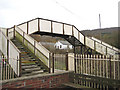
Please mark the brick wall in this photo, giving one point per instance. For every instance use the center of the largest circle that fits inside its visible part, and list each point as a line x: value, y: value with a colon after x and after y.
x: 39, y: 81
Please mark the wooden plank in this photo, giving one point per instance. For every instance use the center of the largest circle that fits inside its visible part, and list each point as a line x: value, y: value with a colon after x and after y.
x: 94, y: 66
x: 86, y: 64
x: 100, y: 66
x: 81, y: 64
x: 103, y: 65
x: 97, y: 63
x: 114, y: 69
x: 118, y: 70
x: 106, y: 67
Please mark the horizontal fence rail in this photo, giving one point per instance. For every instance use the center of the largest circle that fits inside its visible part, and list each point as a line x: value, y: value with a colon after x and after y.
x: 95, y: 82
x: 6, y: 70
x: 98, y: 65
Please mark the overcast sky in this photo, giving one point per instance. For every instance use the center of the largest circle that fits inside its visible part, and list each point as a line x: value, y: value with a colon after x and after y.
x: 84, y: 14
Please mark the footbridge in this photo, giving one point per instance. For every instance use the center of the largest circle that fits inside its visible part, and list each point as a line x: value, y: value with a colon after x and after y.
x: 67, y: 31
x: 26, y: 56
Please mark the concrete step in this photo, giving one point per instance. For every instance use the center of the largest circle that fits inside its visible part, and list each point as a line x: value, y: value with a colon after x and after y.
x: 27, y: 64
x: 26, y: 57
x: 34, y: 73
x: 30, y: 66
x: 26, y: 61
x: 24, y: 71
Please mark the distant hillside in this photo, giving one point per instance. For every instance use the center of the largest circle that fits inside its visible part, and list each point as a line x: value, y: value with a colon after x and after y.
x: 108, y: 35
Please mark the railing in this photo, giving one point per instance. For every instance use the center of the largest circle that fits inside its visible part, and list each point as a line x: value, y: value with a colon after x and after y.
x: 7, y: 48
x: 36, y: 48
x: 96, y: 71
x: 98, y: 65
x: 6, y: 71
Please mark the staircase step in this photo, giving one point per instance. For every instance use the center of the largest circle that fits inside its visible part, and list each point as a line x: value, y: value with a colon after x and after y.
x: 25, y: 61
x: 30, y: 70
x: 35, y: 73
x: 30, y: 66
x: 26, y: 57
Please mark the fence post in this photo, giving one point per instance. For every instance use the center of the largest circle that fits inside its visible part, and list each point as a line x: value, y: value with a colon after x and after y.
x: 100, y: 57
x: 110, y: 66
x: 81, y: 64
x: 86, y: 64
x: 114, y: 68
x: 107, y: 66
x: 71, y: 62
x: 50, y: 62
x: 53, y: 63
x: 75, y: 61
x: 97, y: 64
x: 118, y: 70
x: 66, y: 61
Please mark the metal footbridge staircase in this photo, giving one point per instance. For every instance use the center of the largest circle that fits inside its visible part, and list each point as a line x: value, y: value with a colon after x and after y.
x: 30, y: 57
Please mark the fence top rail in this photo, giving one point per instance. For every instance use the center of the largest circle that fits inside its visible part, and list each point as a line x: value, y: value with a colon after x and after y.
x: 96, y: 57
x: 99, y: 59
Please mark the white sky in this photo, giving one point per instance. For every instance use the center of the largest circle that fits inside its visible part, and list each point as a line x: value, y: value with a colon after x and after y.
x: 84, y: 14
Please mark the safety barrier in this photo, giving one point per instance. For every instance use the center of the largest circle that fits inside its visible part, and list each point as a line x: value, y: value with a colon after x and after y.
x: 98, y: 65
x: 7, y: 48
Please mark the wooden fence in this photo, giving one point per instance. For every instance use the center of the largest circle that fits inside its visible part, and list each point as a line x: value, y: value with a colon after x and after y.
x: 98, y: 65
x: 95, y: 71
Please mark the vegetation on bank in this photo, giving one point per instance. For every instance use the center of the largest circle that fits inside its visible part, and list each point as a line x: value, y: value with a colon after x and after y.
x: 108, y: 35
